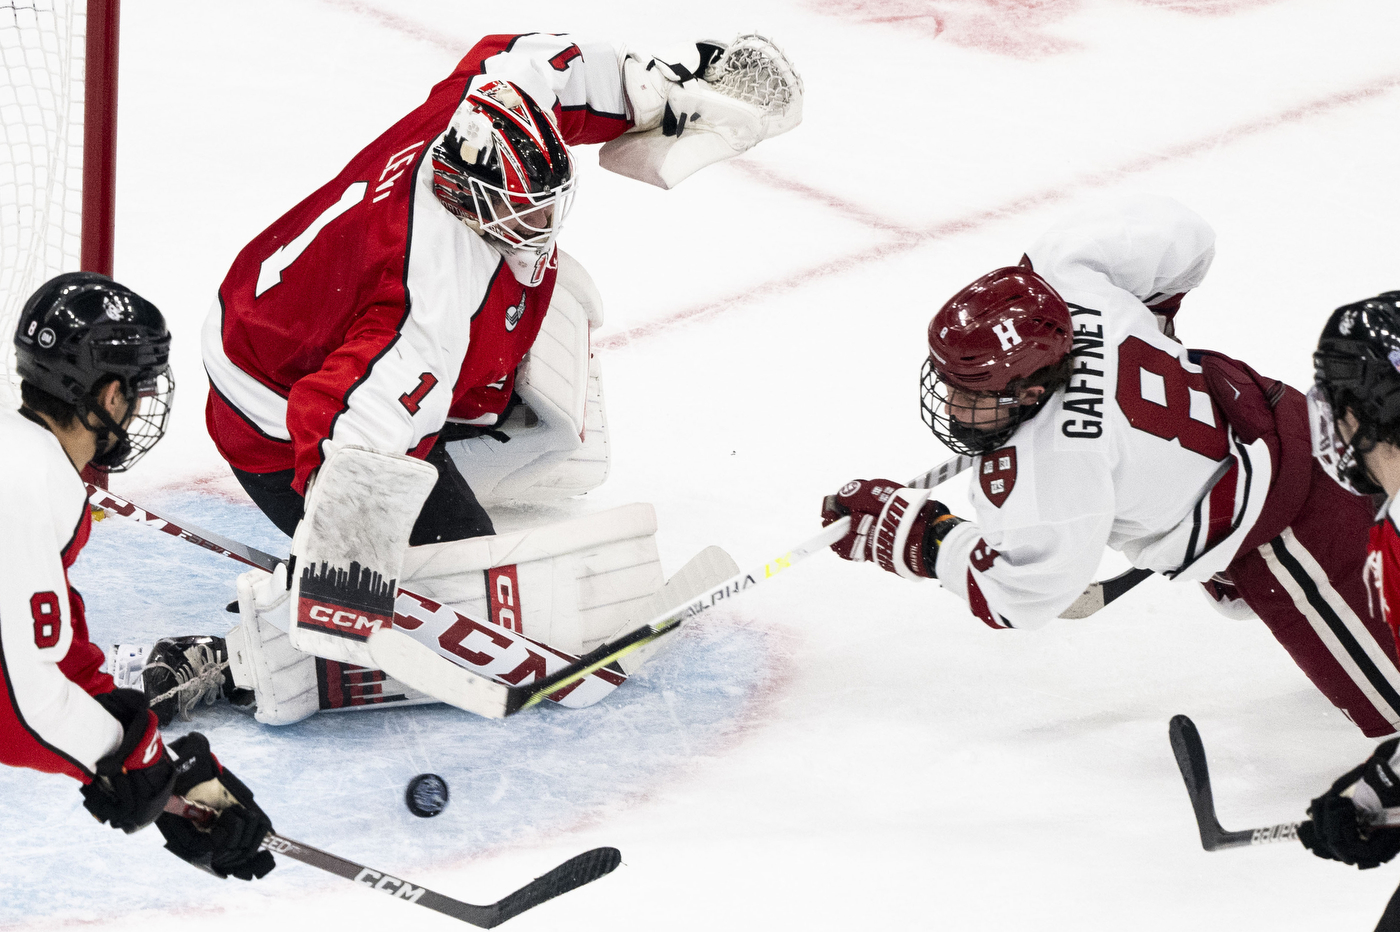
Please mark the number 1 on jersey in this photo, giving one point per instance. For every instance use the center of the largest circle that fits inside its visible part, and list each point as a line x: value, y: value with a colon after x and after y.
x: 270, y: 272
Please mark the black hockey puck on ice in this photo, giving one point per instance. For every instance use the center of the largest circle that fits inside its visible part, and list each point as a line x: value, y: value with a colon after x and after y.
x: 426, y: 795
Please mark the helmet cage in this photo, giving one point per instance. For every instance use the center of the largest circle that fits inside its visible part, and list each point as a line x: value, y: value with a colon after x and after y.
x: 148, y: 410
x: 516, y: 184
x: 937, y: 407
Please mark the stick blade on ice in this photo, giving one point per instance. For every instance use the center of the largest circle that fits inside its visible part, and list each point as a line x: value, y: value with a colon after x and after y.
x: 572, y: 874
x: 1191, y: 760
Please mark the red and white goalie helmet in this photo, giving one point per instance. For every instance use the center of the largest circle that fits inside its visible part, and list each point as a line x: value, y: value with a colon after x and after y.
x: 1006, y: 332
x: 504, y: 170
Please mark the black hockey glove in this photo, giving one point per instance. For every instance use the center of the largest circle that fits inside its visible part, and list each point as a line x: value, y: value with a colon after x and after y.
x: 133, y: 782
x: 228, y: 846
x: 1336, y: 829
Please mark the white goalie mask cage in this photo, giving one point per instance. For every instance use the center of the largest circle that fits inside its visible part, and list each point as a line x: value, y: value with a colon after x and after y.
x: 502, y: 168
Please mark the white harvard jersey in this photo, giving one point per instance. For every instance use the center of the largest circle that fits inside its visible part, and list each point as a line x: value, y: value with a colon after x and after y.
x: 1132, y: 454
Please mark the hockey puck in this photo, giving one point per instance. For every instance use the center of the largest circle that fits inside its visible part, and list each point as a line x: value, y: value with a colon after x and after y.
x: 426, y: 795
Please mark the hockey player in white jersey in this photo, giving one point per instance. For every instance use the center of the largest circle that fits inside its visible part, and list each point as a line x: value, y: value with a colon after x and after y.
x: 1094, y: 427
x: 93, y: 356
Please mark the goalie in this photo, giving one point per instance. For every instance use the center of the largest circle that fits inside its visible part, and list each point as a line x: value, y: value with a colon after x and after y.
x: 418, y: 302
x: 418, y: 306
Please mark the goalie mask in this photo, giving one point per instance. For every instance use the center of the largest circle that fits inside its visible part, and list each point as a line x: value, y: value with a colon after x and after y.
x: 503, y: 169
x: 1357, y: 370
x: 78, y: 331
x: 999, y: 337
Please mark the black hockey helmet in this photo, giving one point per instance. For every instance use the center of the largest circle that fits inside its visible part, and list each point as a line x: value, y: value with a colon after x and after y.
x: 77, y: 331
x: 1357, y: 369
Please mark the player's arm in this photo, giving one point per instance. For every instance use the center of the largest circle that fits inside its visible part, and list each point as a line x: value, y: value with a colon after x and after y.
x: 51, y: 723
x: 1148, y: 245
x: 376, y: 390
x: 580, y: 80
x: 1027, y: 578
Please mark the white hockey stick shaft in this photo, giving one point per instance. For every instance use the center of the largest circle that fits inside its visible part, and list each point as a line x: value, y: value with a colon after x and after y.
x: 1094, y: 598
x: 825, y: 538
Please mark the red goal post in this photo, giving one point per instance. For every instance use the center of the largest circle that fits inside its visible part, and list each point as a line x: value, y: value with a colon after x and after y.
x: 58, y: 135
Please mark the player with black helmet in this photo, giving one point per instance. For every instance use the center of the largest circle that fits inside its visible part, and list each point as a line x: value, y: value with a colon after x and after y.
x: 94, y: 359
x: 1357, y: 408
x: 1094, y: 427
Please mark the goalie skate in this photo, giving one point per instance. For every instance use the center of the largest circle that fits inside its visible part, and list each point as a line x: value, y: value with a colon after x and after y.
x: 182, y: 672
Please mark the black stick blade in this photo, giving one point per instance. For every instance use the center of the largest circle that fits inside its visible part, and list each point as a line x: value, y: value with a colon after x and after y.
x: 1113, y: 588
x: 572, y: 874
x: 1191, y: 759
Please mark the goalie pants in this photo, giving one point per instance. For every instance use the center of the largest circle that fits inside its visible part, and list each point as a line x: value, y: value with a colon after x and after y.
x: 451, y: 511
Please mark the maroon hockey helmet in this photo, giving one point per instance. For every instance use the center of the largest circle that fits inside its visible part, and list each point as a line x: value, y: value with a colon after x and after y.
x: 1003, y: 333
x: 1002, y: 328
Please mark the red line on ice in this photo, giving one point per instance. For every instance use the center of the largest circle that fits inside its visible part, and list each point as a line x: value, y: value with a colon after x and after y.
x: 914, y: 238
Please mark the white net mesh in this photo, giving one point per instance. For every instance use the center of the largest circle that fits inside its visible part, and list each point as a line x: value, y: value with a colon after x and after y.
x: 41, y: 153
x: 756, y: 71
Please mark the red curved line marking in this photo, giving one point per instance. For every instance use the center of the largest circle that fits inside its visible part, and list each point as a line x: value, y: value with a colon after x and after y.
x: 839, y: 204
x: 974, y: 221
x: 405, y: 26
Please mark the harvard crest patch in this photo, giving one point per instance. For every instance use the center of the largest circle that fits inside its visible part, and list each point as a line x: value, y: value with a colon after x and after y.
x: 997, y: 473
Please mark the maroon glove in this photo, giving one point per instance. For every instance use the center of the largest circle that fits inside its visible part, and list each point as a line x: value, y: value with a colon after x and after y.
x: 898, y: 528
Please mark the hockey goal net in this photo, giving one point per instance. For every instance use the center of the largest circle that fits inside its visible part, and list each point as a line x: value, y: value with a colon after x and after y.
x: 57, y: 150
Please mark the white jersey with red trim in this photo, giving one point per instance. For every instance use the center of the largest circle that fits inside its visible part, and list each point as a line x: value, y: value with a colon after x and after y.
x: 369, y: 314
x: 48, y: 667
x: 1132, y: 454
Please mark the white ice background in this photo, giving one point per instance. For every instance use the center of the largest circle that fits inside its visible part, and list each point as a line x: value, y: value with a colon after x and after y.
x: 843, y: 749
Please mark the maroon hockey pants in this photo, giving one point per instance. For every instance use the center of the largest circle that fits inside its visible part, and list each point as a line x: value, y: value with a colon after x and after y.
x: 1306, y: 585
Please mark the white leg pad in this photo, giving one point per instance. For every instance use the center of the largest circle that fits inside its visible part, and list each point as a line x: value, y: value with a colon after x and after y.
x: 568, y: 585
x: 559, y: 437
x: 349, y: 549
x: 261, y: 656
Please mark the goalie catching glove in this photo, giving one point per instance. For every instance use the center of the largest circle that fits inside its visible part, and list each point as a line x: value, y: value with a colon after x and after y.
x: 230, y: 845
x: 702, y: 104
x: 897, y: 527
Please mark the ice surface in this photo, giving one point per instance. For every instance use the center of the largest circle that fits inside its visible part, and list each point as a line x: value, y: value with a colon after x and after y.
x: 337, y: 781
x: 848, y: 750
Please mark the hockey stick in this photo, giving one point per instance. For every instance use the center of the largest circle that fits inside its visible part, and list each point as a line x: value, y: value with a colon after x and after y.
x: 1094, y: 598
x: 1191, y: 759
x: 573, y: 873
x: 421, y: 668
x: 472, y: 691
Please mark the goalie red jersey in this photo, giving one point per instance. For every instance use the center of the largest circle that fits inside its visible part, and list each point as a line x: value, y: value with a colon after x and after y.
x: 371, y: 314
x: 50, y: 671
